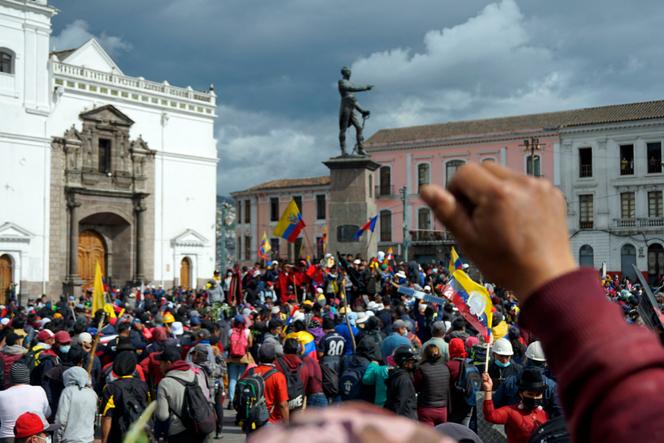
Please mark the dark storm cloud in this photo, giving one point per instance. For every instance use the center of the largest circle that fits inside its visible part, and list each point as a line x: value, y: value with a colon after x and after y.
x: 275, y: 63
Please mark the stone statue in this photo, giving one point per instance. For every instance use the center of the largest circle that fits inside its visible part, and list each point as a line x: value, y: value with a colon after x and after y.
x: 347, y: 112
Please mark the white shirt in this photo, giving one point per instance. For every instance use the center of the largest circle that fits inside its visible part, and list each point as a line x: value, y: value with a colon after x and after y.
x: 18, y: 400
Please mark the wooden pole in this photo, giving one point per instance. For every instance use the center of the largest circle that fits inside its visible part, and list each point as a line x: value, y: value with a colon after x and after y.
x: 91, y: 360
x: 369, y: 245
x: 308, y: 241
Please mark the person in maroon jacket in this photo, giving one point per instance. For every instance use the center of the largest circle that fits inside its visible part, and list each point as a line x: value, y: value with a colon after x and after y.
x: 309, y: 370
x: 610, y: 375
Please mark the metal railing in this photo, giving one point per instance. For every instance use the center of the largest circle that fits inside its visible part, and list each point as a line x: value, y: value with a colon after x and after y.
x: 428, y: 235
x: 650, y: 222
x: 586, y: 224
x: 132, y: 82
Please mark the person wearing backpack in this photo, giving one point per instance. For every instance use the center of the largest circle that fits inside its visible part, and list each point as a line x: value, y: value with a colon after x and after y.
x: 298, y: 375
x: 184, y: 400
x: 330, y: 353
x: 462, y: 407
x: 10, y: 354
x: 401, y: 394
x: 262, y: 394
x: 240, y: 341
x: 123, y: 400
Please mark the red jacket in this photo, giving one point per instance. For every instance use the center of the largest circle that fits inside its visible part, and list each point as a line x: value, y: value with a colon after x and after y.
x: 610, y: 375
x: 310, y: 372
x: 519, y: 424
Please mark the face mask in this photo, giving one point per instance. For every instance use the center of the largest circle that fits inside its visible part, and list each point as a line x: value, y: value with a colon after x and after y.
x: 404, y: 333
x: 530, y: 403
x: 501, y: 364
x: 46, y: 346
x: 65, y: 348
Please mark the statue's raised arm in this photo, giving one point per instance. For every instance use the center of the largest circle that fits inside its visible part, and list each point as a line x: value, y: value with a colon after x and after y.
x: 348, y: 112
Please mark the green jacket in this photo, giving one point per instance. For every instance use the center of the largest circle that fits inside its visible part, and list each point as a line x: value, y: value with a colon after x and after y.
x: 377, y: 375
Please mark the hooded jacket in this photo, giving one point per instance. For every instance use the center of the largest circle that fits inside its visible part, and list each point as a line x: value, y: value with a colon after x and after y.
x: 170, y: 393
x: 76, y: 409
x: 10, y: 355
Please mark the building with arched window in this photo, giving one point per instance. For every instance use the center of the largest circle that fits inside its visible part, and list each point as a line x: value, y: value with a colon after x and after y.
x: 82, y: 184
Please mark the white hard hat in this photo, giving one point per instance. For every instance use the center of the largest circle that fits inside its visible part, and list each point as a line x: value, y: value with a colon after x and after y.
x: 502, y: 346
x: 535, y: 351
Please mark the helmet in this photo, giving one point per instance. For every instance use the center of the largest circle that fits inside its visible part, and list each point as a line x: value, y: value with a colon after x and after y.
x: 168, y: 318
x: 535, y: 352
x: 402, y: 354
x: 502, y: 346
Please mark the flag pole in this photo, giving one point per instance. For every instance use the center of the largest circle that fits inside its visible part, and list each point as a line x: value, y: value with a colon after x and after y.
x: 308, y: 241
x: 488, y: 352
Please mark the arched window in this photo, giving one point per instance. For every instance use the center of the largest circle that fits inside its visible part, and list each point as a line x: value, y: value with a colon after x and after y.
x: 385, y: 226
x: 422, y: 175
x: 586, y: 256
x: 533, y: 165
x: 424, y: 219
x: 451, y: 168
x: 7, y: 61
x: 385, y: 181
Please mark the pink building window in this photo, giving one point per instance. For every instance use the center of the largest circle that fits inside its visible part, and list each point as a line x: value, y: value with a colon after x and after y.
x: 423, y: 176
x: 385, y: 187
x: 385, y: 226
x: 451, y: 168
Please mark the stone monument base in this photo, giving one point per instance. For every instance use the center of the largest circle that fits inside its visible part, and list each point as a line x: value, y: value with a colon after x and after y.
x: 352, y: 203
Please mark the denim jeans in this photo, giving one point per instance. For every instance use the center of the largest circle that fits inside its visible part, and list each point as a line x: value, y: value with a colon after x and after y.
x: 235, y: 371
x: 318, y: 400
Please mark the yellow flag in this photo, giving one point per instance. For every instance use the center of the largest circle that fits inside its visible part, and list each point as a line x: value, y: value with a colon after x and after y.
x: 98, y: 292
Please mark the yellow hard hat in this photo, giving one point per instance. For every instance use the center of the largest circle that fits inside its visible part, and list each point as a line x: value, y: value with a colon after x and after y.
x: 168, y: 318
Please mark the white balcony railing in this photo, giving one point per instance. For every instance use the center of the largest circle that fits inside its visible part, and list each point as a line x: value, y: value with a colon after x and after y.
x: 136, y: 83
x: 650, y: 222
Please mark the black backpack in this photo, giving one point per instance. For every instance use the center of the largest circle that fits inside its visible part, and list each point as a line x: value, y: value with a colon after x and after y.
x: 350, y: 383
x: 553, y: 431
x: 330, y: 379
x: 197, y: 414
x: 295, y: 385
x: 249, y: 400
x: 132, y: 403
x: 469, y: 382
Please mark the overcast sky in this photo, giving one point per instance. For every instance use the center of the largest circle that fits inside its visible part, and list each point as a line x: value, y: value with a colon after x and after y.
x: 275, y: 63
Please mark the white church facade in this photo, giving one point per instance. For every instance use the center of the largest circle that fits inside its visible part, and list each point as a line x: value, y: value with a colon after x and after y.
x: 98, y: 166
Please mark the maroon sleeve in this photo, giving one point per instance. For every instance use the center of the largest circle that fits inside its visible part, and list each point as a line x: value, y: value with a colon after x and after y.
x: 610, y: 374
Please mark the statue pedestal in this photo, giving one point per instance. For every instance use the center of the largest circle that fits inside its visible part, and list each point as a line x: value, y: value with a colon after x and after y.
x: 352, y: 203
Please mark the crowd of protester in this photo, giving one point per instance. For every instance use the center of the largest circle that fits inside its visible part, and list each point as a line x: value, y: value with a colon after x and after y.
x: 355, y: 349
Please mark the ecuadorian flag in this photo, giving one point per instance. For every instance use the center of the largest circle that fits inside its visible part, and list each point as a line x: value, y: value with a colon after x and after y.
x: 472, y: 300
x: 264, y: 248
x: 455, y: 262
x: 290, y: 224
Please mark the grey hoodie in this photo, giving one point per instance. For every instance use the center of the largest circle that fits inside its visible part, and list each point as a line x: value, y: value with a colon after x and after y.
x: 76, y: 409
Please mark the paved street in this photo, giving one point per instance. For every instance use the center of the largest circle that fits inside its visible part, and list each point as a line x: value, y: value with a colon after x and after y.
x: 232, y: 434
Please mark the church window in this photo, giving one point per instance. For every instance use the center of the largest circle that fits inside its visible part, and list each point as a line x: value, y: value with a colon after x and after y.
x: 104, y: 155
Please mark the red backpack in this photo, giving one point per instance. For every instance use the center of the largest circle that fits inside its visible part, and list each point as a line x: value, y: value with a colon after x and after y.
x: 239, y: 343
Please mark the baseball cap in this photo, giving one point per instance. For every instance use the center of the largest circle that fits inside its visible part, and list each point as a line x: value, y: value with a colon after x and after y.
x: 45, y: 334
x: 177, y: 328
x: 29, y: 424
x: 62, y: 337
x: 398, y: 324
x: 170, y: 353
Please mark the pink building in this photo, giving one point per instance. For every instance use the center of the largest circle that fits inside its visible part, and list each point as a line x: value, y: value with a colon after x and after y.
x: 260, y: 207
x: 413, y: 156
